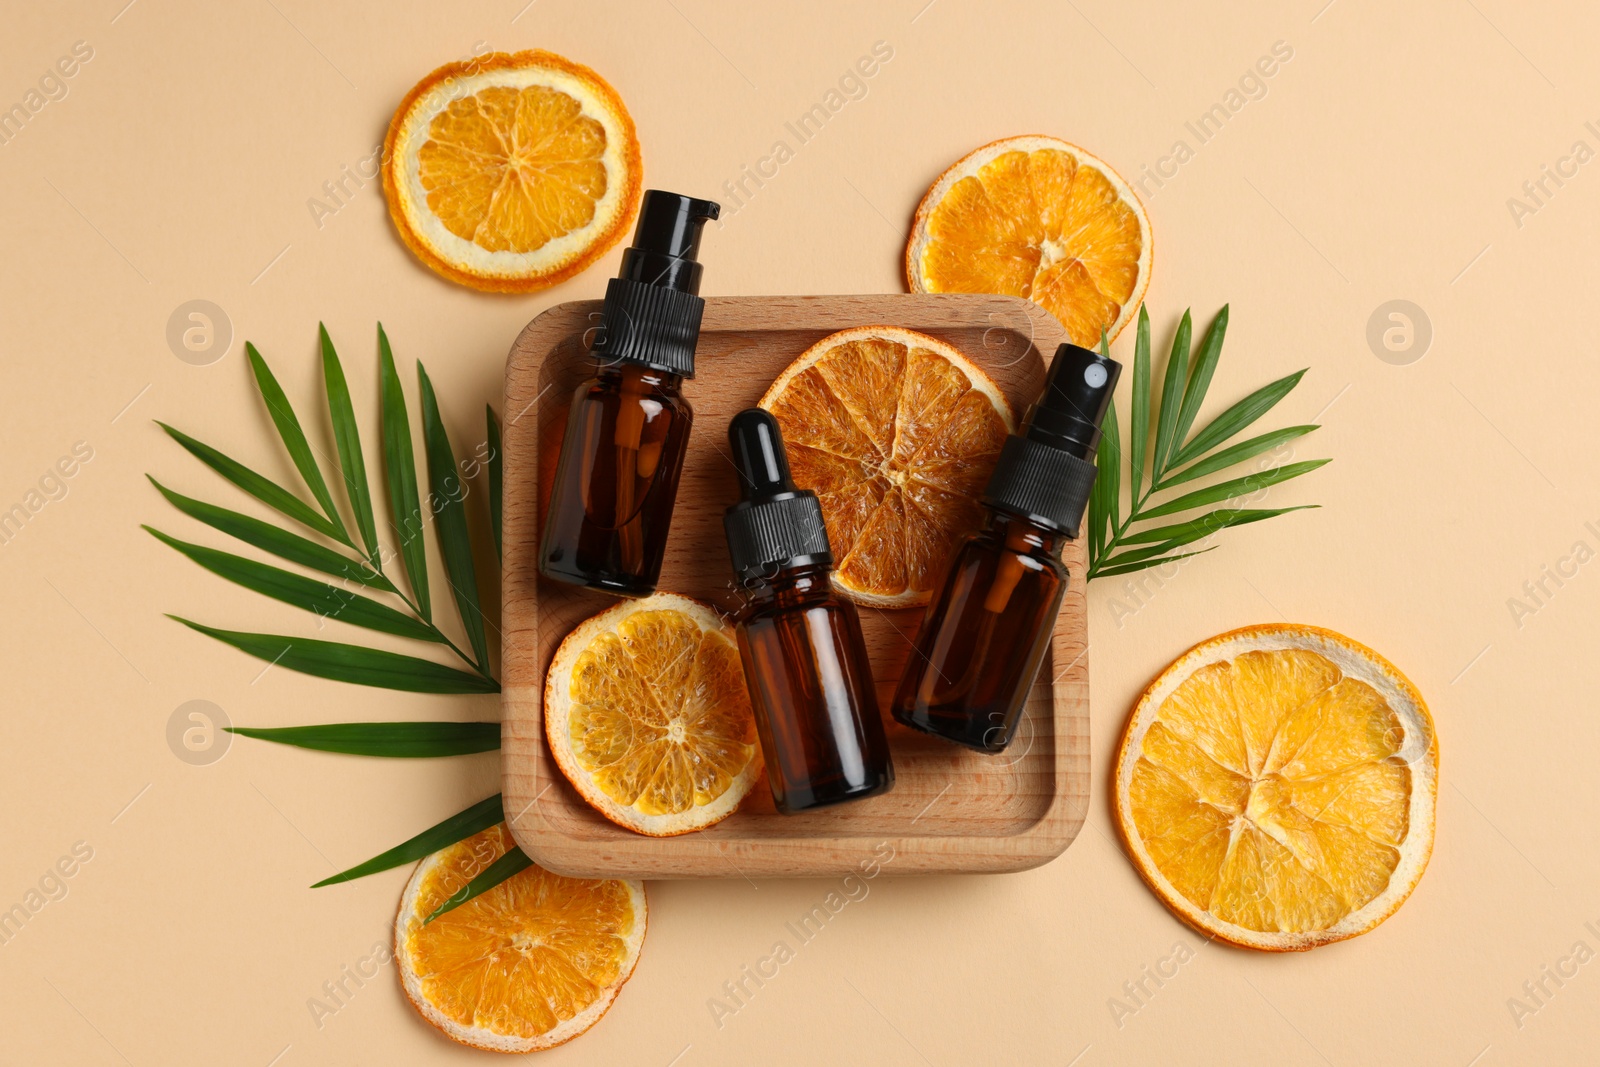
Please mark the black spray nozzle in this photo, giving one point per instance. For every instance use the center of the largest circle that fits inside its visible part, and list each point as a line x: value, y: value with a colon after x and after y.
x: 666, y: 242
x: 759, y: 455
x: 1077, y: 392
x: 1046, y: 472
x: 774, y: 526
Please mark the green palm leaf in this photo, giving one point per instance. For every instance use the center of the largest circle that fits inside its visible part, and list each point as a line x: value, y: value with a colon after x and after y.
x: 447, y: 497
x: 1237, y: 418
x: 513, y: 862
x: 1205, y: 365
x: 1113, y: 568
x: 1139, y: 428
x: 1178, y: 458
x: 392, y: 740
x: 1183, y: 533
x: 280, y: 543
x: 1172, y: 389
x: 400, y: 470
x: 294, y: 438
x: 457, y: 827
x: 1101, y: 526
x: 347, y: 438
x: 308, y: 593
x: 1235, y: 454
x: 1109, y: 481
x: 1236, y: 487
x: 1139, y: 555
x: 350, y: 663
x: 263, y: 489
x: 496, y: 481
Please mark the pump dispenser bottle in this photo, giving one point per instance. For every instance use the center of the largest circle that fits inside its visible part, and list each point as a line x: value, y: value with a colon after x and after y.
x: 628, y: 426
x: 804, y: 660
x: 989, y: 627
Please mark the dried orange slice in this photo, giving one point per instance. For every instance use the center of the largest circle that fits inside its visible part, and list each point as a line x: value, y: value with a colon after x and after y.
x: 528, y: 965
x: 896, y: 432
x: 1041, y: 218
x: 1276, y: 787
x: 511, y: 172
x: 648, y: 717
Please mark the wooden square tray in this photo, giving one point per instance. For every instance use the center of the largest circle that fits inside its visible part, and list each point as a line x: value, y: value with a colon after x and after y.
x: 950, y: 810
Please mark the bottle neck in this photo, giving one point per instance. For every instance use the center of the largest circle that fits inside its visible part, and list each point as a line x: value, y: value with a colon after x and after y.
x: 1023, y: 537
x: 792, y: 583
x: 1015, y: 539
x: 638, y: 378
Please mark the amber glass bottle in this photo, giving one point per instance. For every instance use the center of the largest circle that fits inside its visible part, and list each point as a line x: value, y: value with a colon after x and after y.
x: 804, y: 659
x: 616, y: 480
x: 988, y: 628
x: 628, y: 426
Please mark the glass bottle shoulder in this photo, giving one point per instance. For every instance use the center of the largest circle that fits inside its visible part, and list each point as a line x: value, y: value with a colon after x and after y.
x: 639, y: 384
x: 790, y: 592
x: 1035, y: 547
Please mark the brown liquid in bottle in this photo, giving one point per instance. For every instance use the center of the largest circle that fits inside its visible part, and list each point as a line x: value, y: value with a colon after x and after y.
x: 616, y: 481
x: 980, y: 645
x: 811, y: 685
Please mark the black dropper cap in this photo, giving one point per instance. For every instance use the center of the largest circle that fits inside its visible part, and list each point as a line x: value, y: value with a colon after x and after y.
x: 774, y: 526
x: 1046, y: 472
x: 652, y: 310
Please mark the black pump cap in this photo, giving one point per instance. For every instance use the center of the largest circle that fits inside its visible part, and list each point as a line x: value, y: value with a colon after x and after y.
x: 666, y: 242
x: 652, y: 310
x: 1046, y: 472
x: 774, y: 526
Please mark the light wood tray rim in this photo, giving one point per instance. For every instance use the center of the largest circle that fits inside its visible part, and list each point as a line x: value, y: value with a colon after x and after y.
x: 532, y: 783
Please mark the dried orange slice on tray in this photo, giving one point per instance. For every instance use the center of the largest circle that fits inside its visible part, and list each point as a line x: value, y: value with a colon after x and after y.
x: 648, y: 716
x: 528, y: 965
x: 1276, y: 787
x: 1040, y: 218
x: 897, y: 433
x: 511, y: 172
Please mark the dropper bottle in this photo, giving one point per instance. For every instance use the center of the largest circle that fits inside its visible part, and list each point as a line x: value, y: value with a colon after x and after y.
x: 628, y: 426
x: 988, y: 629
x: 804, y: 659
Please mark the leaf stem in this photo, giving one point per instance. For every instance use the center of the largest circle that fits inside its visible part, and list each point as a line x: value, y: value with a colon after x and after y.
x: 391, y: 587
x: 1115, y: 540
x: 468, y: 660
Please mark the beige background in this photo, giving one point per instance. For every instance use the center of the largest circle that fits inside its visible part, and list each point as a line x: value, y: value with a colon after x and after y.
x: 1377, y: 166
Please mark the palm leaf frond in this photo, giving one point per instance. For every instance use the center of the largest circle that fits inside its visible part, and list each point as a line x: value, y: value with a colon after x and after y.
x: 1122, y: 543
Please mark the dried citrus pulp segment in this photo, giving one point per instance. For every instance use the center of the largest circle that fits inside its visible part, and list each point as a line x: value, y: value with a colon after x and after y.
x: 648, y: 716
x: 1276, y: 787
x: 1040, y: 218
x: 897, y: 433
x: 511, y: 172
x: 533, y: 962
